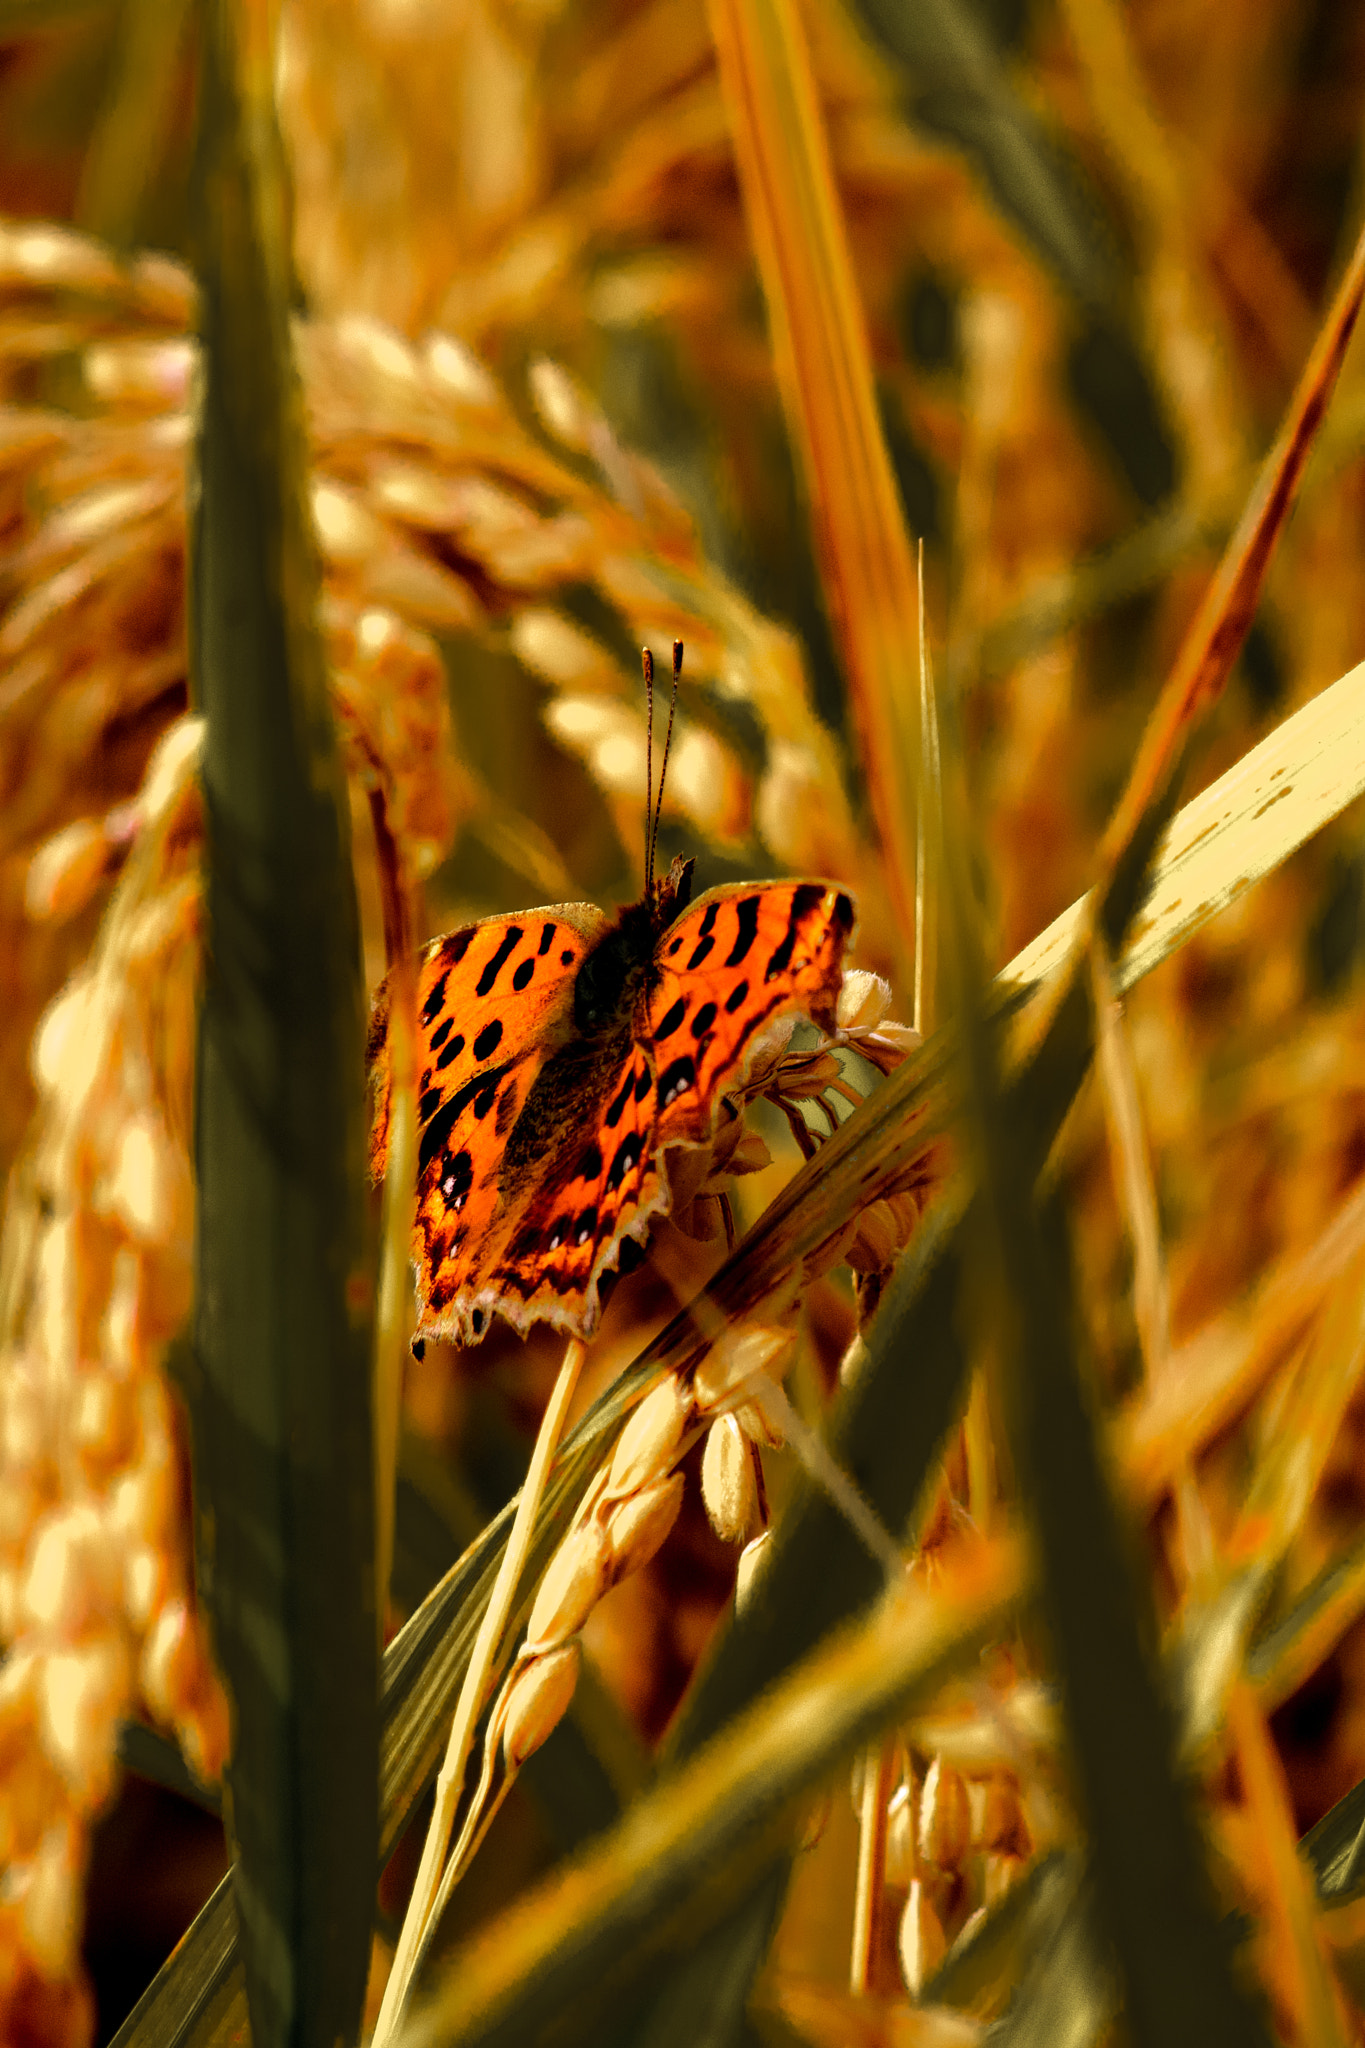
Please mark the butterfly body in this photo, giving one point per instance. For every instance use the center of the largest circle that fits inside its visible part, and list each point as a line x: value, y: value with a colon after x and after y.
x: 561, y: 1055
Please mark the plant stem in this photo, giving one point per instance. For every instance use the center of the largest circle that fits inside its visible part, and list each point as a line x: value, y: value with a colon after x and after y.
x: 473, y: 1694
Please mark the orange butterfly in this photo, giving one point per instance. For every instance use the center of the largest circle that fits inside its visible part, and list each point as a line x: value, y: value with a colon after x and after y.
x: 562, y: 1054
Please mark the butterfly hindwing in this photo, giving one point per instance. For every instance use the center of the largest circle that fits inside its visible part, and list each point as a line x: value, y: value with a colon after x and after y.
x: 494, y: 1001
x: 598, y: 1186
x: 738, y: 960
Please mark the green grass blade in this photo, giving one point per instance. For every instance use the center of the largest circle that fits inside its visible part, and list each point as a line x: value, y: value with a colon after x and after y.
x: 1153, y: 1897
x: 280, y: 1389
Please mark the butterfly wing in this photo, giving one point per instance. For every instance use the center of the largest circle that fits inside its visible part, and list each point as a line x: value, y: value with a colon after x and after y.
x: 494, y: 1005
x: 598, y: 1185
x: 740, y: 959
x: 734, y: 963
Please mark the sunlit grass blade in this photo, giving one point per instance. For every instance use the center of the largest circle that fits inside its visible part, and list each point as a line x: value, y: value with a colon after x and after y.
x: 279, y: 1391
x: 1215, y: 635
x: 1294, y: 1961
x: 826, y: 378
x: 696, y: 1843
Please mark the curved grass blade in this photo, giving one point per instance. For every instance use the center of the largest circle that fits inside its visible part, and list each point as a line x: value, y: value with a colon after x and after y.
x: 279, y: 1391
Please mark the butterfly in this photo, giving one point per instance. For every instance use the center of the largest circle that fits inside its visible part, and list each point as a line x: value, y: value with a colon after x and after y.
x: 562, y: 1055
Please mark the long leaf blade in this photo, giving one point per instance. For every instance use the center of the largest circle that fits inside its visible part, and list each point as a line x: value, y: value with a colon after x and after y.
x: 280, y: 1397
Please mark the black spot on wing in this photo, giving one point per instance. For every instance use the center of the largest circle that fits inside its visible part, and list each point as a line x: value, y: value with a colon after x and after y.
x: 457, y: 1179
x: 521, y: 979
x: 804, y: 900
x: 746, y: 918
x: 441, y: 1034
x: 508, y: 944
x: 428, y: 1105
x: 736, y: 997
x: 707, y: 925
x: 669, y: 1023
x: 566, y: 959
x: 560, y: 1232
x: 675, y: 1080
x: 437, y: 1133
x: 674, y: 947
x: 586, y: 1226
x: 488, y: 1040
x: 618, y: 1107
x: 451, y: 1052
x: 547, y: 938
x: 459, y: 944
x: 699, y: 953
x: 626, y: 1160
x: 642, y: 1084
x: 590, y: 1165
x: 436, y: 995
x: 843, y: 912
x: 704, y: 1019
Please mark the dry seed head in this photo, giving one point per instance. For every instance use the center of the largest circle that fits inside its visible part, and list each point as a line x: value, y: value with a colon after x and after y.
x: 900, y: 1836
x: 944, y: 1818
x: 640, y: 1524
x: 921, y: 1943
x: 51, y: 1910
x: 864, y: 999
x: 739, y: 1356
x: 761, y: 1423
x: 728, y: 1488
x: 1001, y: 1873
x: 998, y: 1820
x: 83, y: 1694
x: 72, y: 1580
x: 853, y: 1360
x: 538, y: 1696
x: 750, y: 1558
x: 578, y: 1576
x: 647, y: 1444
x: 876, y: 1241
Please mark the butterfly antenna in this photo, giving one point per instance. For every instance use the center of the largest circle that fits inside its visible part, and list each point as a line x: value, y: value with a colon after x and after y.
x: 647, y: 663
x: 668, y: 741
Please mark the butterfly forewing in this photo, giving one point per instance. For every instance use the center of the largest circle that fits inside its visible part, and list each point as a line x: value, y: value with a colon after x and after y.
x: 494, y: 1002
x: 738, y: 960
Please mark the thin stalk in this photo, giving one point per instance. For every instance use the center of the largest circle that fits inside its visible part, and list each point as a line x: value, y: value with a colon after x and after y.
x: 1291, y: 1911
x: 471, y: 1702
x: 400, y: 1193
x: 879, y: 1766
x: 928, y: 831
x: 1136, y: 1190
x: 825, y: 375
